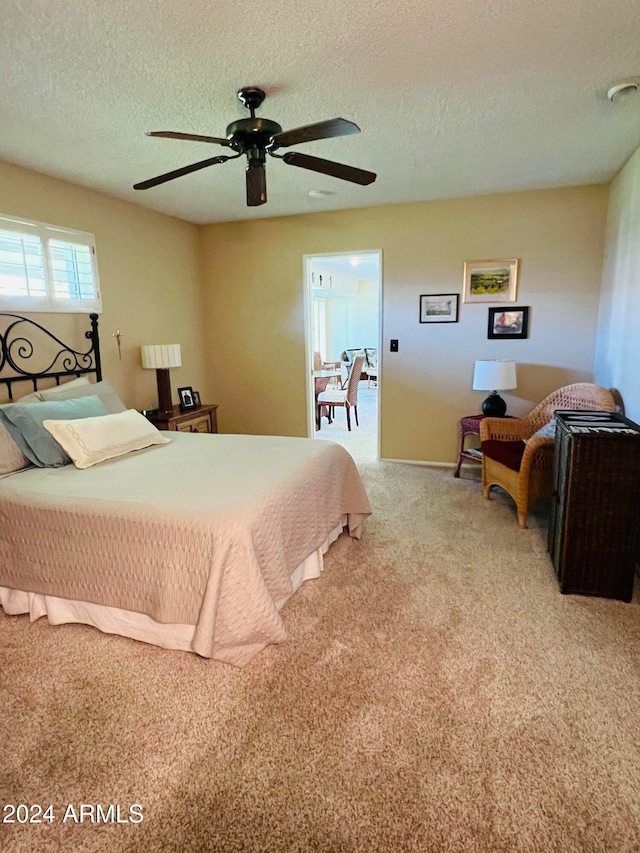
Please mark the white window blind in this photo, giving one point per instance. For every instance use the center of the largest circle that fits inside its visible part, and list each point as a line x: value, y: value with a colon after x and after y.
x: 320, y: 327
x: 338, y: 328
x: 46, y: 268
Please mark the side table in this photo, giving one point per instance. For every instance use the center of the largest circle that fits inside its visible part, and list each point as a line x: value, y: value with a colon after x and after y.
x: 200, y: 419
x: 469, y: 425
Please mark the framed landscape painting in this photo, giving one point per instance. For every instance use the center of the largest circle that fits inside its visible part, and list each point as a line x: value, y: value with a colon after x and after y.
x: 439, y: 308
x: 491, y: 281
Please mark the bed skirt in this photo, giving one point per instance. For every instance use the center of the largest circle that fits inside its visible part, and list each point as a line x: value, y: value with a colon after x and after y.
x: 139, y: 626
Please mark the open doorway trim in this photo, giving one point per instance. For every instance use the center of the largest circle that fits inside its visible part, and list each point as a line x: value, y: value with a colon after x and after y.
x: 308, y: 331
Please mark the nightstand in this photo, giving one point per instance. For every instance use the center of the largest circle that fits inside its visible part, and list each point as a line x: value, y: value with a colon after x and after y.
x: 200, y: 419
x: 469, y: 425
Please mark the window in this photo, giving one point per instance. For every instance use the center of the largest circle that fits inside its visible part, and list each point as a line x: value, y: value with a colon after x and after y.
x: 320, y: 327
x: 45, y: 268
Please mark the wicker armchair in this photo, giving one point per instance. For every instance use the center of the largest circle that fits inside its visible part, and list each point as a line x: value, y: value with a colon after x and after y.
x: 521, y: 465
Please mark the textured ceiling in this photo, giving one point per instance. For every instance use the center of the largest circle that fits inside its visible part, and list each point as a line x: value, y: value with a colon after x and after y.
x: 453, y: 97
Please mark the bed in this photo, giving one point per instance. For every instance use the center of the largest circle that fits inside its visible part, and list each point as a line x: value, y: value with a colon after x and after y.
x: 192, y: 543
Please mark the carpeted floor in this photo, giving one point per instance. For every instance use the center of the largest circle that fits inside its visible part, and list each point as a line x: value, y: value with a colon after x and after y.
x: 361, y: 440
x: 435, y: 693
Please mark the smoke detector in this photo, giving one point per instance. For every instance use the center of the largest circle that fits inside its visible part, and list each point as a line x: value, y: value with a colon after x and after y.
x: 623, y: 90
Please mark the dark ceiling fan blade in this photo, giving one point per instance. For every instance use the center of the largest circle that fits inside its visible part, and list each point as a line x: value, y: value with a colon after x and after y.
x: 194, y: 137
x: 321, y: 130
x: 177, y: 173
x: 256, y: 184
x: 328, y: 167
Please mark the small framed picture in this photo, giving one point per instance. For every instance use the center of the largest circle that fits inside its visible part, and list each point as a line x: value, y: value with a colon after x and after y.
x: 511, y: 324
x: 196, y: 398
x: 186, y: 398
x: 439, y: 308
x: 490, y: 281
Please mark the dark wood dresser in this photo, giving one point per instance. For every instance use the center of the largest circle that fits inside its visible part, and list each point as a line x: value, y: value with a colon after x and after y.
x: 594, y: 512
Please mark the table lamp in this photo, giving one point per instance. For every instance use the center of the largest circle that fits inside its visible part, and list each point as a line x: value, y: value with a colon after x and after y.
x: 494, y: 375
x: 160, y: 358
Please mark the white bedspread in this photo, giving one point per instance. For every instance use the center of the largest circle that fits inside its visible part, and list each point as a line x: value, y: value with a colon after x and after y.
x: 205, y: 531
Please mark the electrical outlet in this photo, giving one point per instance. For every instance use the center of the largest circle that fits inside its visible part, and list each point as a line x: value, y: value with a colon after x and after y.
x: 393, y: 345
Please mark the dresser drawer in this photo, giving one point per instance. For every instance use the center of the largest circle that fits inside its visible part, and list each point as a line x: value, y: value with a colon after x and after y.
x: 202, y: 419
x: 198, y: 423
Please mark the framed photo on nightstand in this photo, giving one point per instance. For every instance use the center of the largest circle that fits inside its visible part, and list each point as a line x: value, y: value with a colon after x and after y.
x: 186, y: 398
x: 196, y: 399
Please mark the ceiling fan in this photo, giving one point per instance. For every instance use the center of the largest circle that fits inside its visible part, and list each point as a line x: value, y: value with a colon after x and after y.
x: 256, y: 137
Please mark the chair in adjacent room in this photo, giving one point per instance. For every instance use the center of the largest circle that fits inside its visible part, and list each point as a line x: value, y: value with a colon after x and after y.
x: 517, y: 453
x: 371, y: 366
x: 321, y: 383
x: 348, y: 397
x: 349, y: 357
x: 319, y: 365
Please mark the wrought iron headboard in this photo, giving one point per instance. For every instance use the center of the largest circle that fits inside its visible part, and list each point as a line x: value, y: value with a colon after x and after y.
x: 17, y: 347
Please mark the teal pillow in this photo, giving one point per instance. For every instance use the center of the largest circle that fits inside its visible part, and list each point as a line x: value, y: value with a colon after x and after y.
x: 24, y: 424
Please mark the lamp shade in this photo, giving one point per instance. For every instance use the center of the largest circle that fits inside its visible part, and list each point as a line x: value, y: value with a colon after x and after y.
x: 494, y: 375
x: 161, y: 356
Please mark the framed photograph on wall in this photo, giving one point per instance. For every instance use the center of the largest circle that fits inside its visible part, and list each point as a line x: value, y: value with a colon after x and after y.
x: 511, y: 324
x: 439, y: 308
x: 185, y: 396
x: 490, y: 281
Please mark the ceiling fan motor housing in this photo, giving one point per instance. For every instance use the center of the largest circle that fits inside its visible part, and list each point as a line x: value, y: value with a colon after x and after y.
x: 246, y: 133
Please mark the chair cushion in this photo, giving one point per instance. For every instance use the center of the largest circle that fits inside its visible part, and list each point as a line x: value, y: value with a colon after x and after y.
x: 508, y: 453
x: 333, y: 398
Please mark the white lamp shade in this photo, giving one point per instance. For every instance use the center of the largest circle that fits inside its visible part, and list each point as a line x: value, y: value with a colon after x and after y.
x: 494, y: 375
x: 161, y: 356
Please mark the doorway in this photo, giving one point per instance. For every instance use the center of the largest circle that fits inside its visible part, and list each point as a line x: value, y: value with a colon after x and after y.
x: 343, y: 319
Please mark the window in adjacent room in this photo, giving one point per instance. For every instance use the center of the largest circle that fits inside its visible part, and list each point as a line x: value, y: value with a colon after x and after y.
x: 320, y: 327
x: 46, y: 268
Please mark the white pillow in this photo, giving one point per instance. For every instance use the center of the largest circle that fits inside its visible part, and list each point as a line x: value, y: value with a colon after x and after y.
x: 29, y: 398
x: 36, y: 396
x: 84, y: 388
x: 57, y: 390
x: 92, y: 440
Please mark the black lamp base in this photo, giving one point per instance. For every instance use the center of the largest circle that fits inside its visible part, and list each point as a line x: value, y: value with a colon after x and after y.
x: 494, y: 406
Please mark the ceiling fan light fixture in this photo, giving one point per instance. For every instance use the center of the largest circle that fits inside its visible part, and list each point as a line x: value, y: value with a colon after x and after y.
x: 623, y: 90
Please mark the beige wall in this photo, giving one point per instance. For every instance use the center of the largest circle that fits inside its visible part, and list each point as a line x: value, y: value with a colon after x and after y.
x: 618, y: 340
x: 232, y: 296
x: 149, y: 275
x: 254, y: 308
